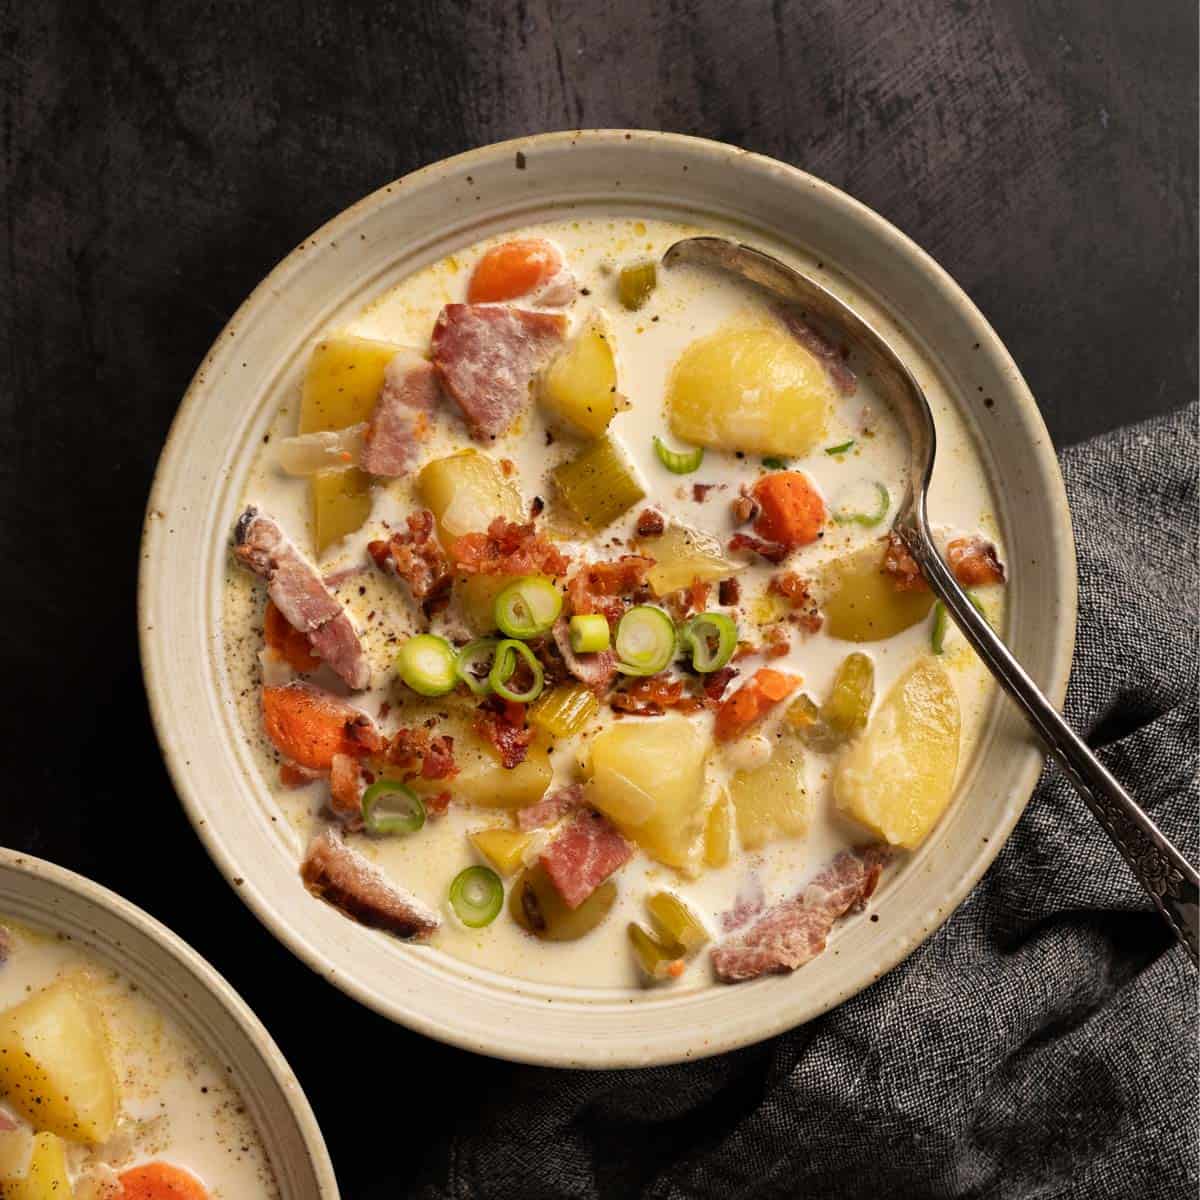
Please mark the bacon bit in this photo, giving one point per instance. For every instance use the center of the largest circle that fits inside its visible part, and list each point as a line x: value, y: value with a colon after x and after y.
x: 685, y: 601
x: 901, y: 566
x: 508, y: 549
x: 508, y: 468
x: 762, y: 691
x: 597, y: 587
x: 416, y: 558
x: 745, y: 509
x: 776, y: 643
x: 310, y: 726
x: 729, y: 592
x: 505, y: 728
x: 974, y: 562
x: 439, y: 760
x: 435, y: 806
x: 290, y: 644
x: 700, y: 491
x: 744, y: 650
x: 791, y: 509
x: 650, y: 523
x: 651, y: 696
x: 773, y: 552
x: 797, y: 592
x: 537, y: 506
x: 418, y: 752
x: 715, y: 684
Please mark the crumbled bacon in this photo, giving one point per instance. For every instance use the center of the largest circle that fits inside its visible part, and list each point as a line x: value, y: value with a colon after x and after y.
x: 652, y: 696
x: 418, y: 752
x: 729, y: 592
x: 650, y: 523
x: 901, y: 566
x: 773, y: 552
x: 505, y: 728
x: 417, y: 558
x: 974, y: 562
x: 715, y: 683
x: 700, y: 491
x: 509, y: 549
x: 797, y: 592
x: 745, y: 509
x: 436, y: 806
x: 776, y: 642
x: 688, y: 600
x: 597, y: 587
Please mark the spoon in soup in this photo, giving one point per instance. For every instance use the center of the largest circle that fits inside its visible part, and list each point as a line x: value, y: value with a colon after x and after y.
x: 1167, y: 876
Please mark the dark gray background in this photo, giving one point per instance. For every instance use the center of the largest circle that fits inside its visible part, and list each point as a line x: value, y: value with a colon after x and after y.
x: 159, y: 158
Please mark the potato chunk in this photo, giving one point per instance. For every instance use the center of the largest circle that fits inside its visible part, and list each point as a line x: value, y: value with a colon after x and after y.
x: 341, y: 502
x: 862, y: 604
x: 485, y: 781
x: 55, y: 1066
x: 466, y: 492
x: 771, y: 801
x: 503, y: 848
x: 579, y: 388
x: 47, y: 1177
x: 751, y: 388
x: 681, y: 555
x: 897, y: 778
x: 648, y: 776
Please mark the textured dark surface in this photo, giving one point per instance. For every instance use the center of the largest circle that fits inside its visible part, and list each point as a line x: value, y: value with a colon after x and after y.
x: 160, y: 158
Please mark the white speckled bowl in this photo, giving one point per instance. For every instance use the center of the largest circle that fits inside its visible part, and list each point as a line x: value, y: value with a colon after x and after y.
x: 183, y: 985
x: 358, y: 256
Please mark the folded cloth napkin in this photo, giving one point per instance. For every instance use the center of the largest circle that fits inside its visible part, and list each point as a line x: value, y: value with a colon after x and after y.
x: 1041, y: 1044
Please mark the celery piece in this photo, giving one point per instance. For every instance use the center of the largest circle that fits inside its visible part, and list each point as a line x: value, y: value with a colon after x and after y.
x: 599, y: 484
x: 564, y: 711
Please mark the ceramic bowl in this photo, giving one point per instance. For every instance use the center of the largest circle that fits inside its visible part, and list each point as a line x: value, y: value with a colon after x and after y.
x: 258, y: 360
x: 182, y: 984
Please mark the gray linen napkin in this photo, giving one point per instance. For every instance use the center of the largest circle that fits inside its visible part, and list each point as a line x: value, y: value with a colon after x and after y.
x: 1041, y: 1044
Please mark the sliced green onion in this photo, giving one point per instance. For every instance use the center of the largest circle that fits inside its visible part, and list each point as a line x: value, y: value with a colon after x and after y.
x: 841, y: 448
x: 509, y: 654
x: 389, y: 806
x: 427, y: 664
x: 710, y: 639
x: 678, y: 462
x: 528, y: 607
x: 589, y: 633
x: 474, y: 664
x: 883, y: 503
x: 941, y: 622
x: 775, y: 464
x: 476, y: 895
x: 645, y: 641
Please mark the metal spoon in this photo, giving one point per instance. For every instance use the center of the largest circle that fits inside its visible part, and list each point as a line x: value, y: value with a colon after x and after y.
x: 1167, y: 876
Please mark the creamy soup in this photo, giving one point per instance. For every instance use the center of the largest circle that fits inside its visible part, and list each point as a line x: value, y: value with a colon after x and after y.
x: 103, y: 1096
x: 683, y: 699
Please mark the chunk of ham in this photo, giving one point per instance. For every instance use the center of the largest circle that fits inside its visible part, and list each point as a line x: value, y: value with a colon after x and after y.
x: 400, y: 421
x: 595, y: 670
x: 299, y: 593
x: 550, y: 809
x: 794, y: 931
x: 486, y: 356
x: 840, y: 375
x: 416, y: 557
x: 341, y: 876
x: 583, y: 856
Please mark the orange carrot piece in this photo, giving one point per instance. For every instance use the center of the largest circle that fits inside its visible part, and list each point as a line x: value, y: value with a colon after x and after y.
x: 290, y: 644
x: 160, y: 1181
x: 792, y: 509
x: 310, y: 726
x: 750, y: 702
x: 513, y: 269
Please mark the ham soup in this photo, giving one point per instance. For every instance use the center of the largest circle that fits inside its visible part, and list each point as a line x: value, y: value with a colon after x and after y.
x: 103, y: 1096
x: 565, y: 620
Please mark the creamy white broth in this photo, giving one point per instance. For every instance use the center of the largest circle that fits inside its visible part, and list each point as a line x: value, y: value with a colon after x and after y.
x: 687, y: 304
x: 177, y: 1104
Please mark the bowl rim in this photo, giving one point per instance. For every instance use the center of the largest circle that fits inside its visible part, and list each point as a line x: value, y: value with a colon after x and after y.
x: 1042, y: 460
x: 200, y: 972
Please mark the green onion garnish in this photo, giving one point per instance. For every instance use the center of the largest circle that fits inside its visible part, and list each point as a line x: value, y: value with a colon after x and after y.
x: 678, y: 462
x: 941, y: 622
x: 427, y: 664
x: 645, y: 641
x: 840, y: 449
x: 389, y: 806
x: 710, y: 638
x: 474, y: 664
x: 476, y: 895
x: 509, y: 656
x: 775, y: 464
x: 527, y: 607
x: 589, y: 633
x: 883, y: 503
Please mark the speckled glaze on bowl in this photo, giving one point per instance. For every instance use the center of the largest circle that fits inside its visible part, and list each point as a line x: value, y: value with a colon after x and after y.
x: 260, y: 356
x: 183, y: 985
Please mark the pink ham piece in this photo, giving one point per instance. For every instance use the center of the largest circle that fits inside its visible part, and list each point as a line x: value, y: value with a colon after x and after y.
x: 486, y: 356
x: 840, y: 375
x: 550, y: 809
x: 794, y: 931
x: 583, y: 856
x: 335, y: 873
x: 400, y: 421
x: 298, y: 591
x: 595, y: 670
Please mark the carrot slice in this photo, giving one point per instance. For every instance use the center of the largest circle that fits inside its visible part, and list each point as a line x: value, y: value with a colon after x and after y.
x: 310, y: 726
x: 792, y: 509
x: 764, y: 689
x: 289, y: 643
x: 513, y: 269
x: 160, y: 1181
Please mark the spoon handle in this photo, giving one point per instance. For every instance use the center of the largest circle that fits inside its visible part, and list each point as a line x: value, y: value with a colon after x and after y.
x: 1167, y: 876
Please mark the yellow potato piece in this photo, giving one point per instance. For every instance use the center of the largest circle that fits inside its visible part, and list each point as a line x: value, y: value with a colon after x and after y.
x: 54, y: 1064
x: 648, y: 776
x: 503, y: 848
x: 485, y: 781
x: 466, y: 492
x: 718, y: 831
x: 862, y: 604
x: 898, y: 777
x: 579, y: 388
x: 476, y: 595
x: 681, y: 555
x: 750, y: 388
x: 771, y: 801
x: 47, y: 1177
x: 341, y: 502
